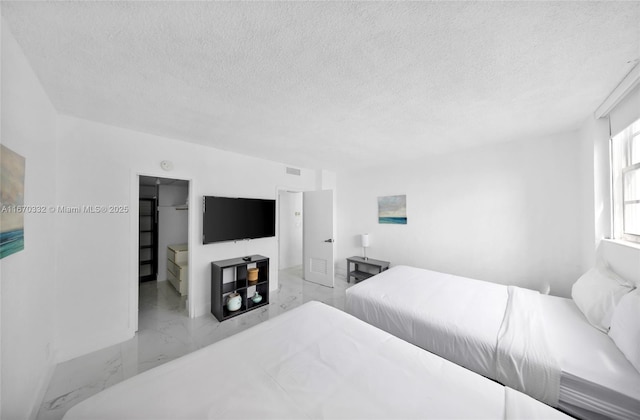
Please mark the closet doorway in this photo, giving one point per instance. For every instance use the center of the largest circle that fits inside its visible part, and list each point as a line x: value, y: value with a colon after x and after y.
x: 163, y: 257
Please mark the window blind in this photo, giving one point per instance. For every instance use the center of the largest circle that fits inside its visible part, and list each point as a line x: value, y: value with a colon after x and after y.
x: 625, y: 112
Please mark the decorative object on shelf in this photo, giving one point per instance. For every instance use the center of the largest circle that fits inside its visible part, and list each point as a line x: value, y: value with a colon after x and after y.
x: 234, y: 302
x: 365, y: 244
x: 256, y: 298
x: 252, y: 275
x: 392, y: 209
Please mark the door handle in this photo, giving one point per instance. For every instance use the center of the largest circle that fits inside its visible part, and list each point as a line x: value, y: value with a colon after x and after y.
x: 329, y: 240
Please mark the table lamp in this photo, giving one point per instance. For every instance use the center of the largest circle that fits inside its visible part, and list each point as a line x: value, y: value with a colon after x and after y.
x: 365, y: 244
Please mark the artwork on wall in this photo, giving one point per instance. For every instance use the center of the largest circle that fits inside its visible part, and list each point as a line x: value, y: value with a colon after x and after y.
x: 12, y: 167
x: 392, y: 209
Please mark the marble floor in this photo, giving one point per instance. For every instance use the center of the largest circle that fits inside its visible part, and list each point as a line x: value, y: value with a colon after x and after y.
x: 165, y: 333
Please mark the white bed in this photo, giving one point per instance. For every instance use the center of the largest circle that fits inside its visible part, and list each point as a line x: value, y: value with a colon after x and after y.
x: 596, y: 377
x: 464, y: 320
x: 311, y: 362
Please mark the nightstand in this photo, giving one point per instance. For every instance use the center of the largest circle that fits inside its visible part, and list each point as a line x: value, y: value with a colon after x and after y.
x: 359, y: 271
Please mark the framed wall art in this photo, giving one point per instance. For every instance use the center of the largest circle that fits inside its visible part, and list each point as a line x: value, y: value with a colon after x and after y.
x: 392, y: 209
x: 12, y: 167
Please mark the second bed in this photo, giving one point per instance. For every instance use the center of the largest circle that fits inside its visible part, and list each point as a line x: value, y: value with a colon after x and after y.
x: 539, y: 344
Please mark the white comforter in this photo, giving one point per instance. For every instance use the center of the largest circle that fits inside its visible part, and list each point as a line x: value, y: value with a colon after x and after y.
x: 523, y: 358
x: 489, y: 328
x: 311, y: 362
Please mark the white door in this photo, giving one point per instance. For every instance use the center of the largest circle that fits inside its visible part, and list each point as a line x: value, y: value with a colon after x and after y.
x: 318, y: 240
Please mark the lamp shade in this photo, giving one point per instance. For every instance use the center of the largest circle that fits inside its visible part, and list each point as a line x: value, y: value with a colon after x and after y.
x: 365, y: 240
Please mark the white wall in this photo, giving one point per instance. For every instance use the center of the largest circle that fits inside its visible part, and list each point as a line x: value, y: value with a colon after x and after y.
x: 173, y: 224
x: 290, y: 228
x: 97, y: 255
x: 28, y: 277
x: 595, y: 141
x: 622, y: 257
x: 508, y: 213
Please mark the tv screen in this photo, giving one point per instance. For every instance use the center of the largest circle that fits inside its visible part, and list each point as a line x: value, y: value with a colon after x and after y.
x: 232, y: 219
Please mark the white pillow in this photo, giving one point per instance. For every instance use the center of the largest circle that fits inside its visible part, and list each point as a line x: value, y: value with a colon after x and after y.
x: 596, y: 293
x: 625, y: 327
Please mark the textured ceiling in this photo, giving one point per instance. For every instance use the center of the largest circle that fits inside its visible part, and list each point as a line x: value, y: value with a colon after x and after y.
x: 330, y: 84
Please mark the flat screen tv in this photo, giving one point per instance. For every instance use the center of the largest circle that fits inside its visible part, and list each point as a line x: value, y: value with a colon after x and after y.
x: 232, y: 219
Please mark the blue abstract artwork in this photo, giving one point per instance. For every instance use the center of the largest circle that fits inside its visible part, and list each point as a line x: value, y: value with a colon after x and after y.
x: 392, y: 209
x: 12, y: 167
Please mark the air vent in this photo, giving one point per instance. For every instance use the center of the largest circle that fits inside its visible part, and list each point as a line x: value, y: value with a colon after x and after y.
x: 293, y: 171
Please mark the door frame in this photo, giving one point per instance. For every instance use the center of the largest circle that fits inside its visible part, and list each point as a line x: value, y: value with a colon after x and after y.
x: 134, y: 243
x: 301, y: 190
x: 293, y: 190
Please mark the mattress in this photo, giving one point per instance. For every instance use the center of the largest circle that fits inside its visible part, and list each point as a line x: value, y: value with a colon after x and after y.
x: 311, y: 362
x: 459, y: 319
x: 473, y: 323
x: 600, y: 381
x: 454, y: 317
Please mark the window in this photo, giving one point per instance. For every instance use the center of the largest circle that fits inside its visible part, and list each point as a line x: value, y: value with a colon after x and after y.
x: 625, y: 177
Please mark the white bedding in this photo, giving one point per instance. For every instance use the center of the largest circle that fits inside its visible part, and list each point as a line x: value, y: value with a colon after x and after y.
x: 524, y: 361
x: 460, y: 319
x: 311, y: 362
x: 454, y: 317
x: 596, y: 377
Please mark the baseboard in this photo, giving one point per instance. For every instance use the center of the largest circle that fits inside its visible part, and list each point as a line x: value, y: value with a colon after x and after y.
x: 340, y: 271
x: 202, y: 308
x: 42, y: 388
x: 91, y: 344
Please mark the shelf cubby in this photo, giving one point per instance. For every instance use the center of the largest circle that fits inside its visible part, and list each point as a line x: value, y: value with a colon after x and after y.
x: 228, y: 276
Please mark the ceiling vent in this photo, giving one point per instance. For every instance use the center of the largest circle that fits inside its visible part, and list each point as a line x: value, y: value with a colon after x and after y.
x: 293, y: 171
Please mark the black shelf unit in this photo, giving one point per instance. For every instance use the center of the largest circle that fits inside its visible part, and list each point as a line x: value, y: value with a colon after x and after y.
x: 148, y: 240
x: 237, y: 268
